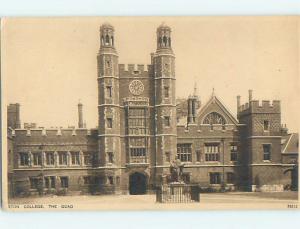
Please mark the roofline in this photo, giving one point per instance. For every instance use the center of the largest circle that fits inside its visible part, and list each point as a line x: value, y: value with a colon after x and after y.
x: 287, y: 143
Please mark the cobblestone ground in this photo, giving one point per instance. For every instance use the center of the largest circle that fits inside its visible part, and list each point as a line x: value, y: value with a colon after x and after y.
x: 213, y: 201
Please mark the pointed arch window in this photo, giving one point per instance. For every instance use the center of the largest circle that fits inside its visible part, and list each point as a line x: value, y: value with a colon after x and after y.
x: 214, y: 118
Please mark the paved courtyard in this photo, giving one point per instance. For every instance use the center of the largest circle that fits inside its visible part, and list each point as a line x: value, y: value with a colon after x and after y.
x: 213, y: 201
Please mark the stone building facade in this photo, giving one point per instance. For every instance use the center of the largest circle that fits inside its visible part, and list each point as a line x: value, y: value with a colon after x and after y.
x: 142, y: 130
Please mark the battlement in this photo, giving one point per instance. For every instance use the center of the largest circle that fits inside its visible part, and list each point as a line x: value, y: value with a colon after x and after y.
x: 256, y: 106
x: 134, y: 70
x: 65, y: 132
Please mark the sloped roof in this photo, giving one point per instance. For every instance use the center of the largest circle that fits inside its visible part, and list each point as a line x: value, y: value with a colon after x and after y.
x: 216, y: 100
x: 290, y: 143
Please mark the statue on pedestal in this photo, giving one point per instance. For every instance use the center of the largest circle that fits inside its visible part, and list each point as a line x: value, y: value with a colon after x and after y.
x: 176, y: 171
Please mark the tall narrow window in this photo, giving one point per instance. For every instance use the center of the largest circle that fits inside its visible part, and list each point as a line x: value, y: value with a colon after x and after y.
x: 167, y: 120
x: 266, y: 125
x: 109, y: 122
x: 198, y: 155
x: 107, y: 40
x: 168, y: 158
x: 49, y: 158
x: 233, y: 152
x: 166, y: 92
x: 37, y: 159
x: 267, y: 152
x: 75, y: 156
x: 62, y: 158
x: 111, y: 180
x: 110, y: 157
x: 109, y: 91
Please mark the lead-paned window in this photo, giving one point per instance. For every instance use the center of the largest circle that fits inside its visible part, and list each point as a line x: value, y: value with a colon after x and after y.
x: 184, y: 152
x: 212, y: 151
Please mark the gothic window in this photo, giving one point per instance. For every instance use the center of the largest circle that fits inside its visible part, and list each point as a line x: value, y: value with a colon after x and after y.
x: 169, y: 41
x: 214, y: 118
x: 184, y: 152
x: 107, y: 40
x: 159, y: 41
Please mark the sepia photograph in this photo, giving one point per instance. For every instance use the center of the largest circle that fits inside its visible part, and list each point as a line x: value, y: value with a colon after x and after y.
x: 150, y: 113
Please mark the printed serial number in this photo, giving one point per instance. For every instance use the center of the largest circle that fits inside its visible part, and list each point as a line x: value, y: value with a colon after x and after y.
x: 292, y: 206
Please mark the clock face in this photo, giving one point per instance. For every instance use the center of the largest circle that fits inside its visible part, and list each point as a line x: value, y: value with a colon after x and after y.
x: 136, y: 87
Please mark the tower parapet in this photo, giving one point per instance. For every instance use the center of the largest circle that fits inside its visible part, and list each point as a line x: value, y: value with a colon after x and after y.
x: 256, y: 106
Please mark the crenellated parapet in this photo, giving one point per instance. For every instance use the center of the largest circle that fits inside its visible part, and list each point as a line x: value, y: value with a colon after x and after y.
x: 54, y: 132
x: 134, y: 70
x: 260, y: 107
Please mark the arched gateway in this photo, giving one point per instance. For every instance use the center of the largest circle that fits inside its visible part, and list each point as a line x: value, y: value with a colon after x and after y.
x: 137, y: 184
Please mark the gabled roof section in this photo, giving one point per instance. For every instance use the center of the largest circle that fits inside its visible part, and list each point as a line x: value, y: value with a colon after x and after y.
x: 214, y: 104
x: 291, y: 143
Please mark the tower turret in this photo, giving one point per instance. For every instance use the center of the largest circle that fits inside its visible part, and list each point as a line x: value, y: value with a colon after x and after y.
x: 165, y: 102
x: 108, y: 104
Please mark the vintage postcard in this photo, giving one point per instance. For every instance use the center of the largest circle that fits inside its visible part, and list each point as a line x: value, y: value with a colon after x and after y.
x: 150, y: 113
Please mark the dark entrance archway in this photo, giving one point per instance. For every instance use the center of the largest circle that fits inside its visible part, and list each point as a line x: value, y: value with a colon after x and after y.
x: 137, y: 184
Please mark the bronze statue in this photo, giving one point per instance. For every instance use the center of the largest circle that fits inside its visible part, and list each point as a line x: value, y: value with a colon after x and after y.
x: 176, y: 171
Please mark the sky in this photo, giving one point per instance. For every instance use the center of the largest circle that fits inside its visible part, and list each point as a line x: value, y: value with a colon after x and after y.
x: 49, y: 64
